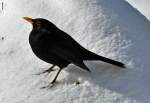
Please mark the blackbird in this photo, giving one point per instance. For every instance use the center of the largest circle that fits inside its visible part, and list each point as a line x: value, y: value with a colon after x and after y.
x: 55, y: 46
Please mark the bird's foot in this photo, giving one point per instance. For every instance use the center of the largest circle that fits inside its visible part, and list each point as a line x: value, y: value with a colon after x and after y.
x: 46, y: 71
x: 50, y: 85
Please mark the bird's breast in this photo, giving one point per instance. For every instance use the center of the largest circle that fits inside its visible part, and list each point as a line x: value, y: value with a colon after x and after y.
x: 40, y: 45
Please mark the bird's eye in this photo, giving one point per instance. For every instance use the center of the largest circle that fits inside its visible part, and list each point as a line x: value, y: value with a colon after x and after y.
x: 38, y: 24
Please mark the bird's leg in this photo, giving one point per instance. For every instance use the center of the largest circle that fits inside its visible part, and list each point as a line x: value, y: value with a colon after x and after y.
x: 54, y: 80
x: 48, y: 70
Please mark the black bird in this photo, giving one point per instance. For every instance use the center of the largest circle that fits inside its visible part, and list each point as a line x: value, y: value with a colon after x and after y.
x: 54, y: 46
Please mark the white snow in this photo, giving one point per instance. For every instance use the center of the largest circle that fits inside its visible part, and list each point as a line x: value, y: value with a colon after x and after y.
x: 142, y: 6
x: 111, y: 28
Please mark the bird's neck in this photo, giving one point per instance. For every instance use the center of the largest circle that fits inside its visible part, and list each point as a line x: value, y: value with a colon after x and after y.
x: 35, y: 35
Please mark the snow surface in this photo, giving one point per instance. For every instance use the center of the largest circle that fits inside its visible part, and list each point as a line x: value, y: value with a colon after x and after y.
x: 142, y: 6
x: 111, y: 28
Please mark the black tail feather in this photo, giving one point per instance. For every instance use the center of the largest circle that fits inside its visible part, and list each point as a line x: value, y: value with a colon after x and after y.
x: 83, y: 66
x: 93, y: 56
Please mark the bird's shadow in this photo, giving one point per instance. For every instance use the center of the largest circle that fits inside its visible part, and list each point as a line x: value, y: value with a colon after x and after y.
x: 124, y: 81
x: 98, y: 70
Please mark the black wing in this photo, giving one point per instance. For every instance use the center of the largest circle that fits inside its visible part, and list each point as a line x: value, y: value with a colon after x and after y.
x: 67, y: 48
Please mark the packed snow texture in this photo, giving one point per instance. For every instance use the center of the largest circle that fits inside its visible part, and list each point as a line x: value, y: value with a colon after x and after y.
x: 110, y: 28
x: 142, y: 6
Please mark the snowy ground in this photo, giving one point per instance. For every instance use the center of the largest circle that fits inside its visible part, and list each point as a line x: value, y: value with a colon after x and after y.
x: 142, y: 6
x: 110, y: 28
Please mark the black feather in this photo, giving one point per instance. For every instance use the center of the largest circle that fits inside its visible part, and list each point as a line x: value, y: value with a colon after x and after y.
x: 54, y: 46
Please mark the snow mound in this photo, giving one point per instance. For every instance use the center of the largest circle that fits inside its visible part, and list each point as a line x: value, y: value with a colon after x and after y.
x: 142, y: 6
x: 110, y: 28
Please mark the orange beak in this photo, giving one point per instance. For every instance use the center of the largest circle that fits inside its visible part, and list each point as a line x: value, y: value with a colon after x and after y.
x: 28, y: 19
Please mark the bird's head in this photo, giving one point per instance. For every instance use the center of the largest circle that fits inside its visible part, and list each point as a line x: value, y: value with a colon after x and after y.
x: 39, y: 23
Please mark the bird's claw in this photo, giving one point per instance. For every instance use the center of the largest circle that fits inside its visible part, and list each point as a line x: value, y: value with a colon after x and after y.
x: 46, y: 71
x: 48, y: 86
